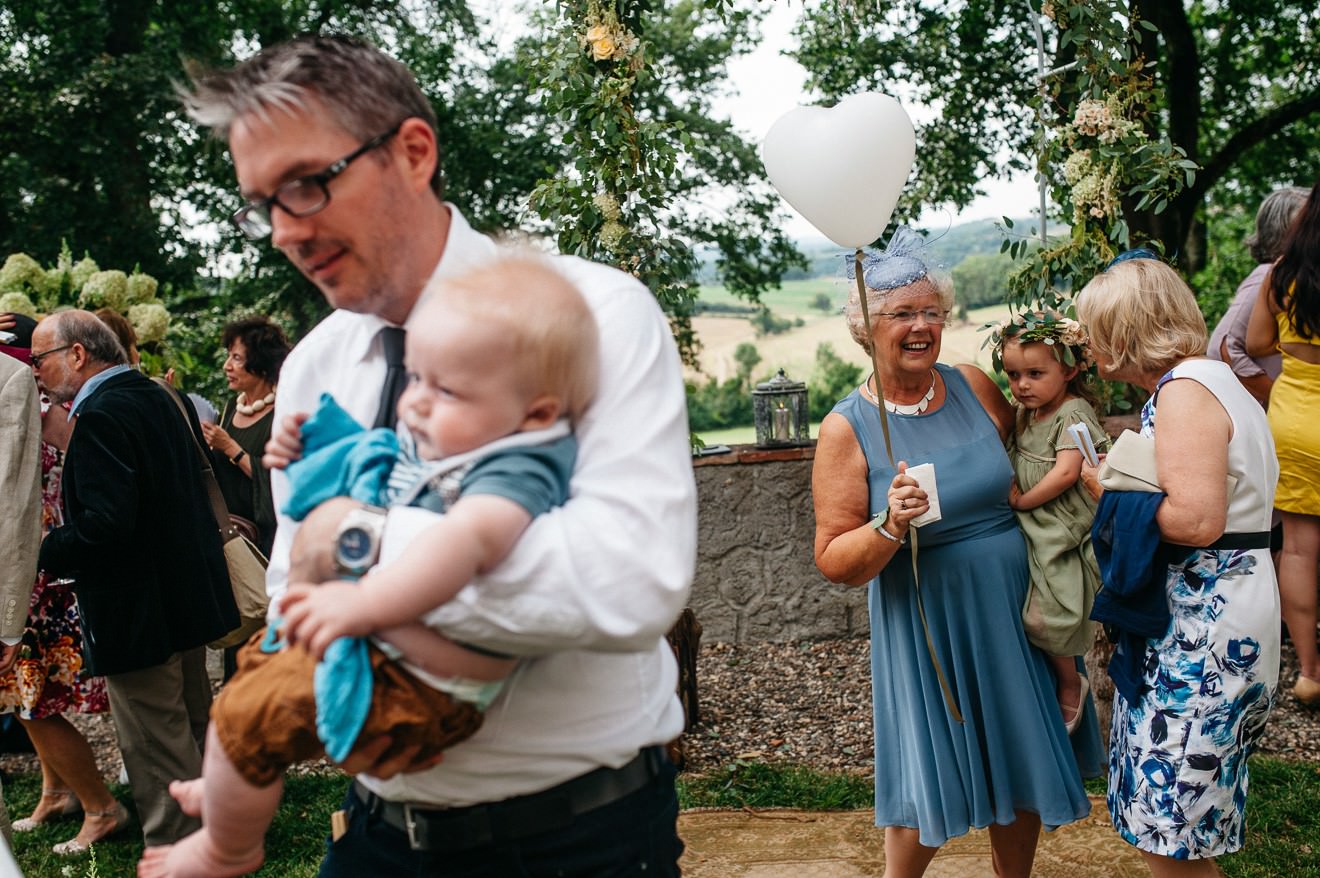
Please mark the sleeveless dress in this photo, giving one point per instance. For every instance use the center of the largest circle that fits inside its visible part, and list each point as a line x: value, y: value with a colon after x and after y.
x: 1294, y: 414
x: 248, y: 497
x: 1064, y: 573
x: 1178, y: 757
x: 1011, y: 753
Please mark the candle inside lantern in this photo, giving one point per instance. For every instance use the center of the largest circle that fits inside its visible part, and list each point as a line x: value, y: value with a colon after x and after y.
x: 782, y: 424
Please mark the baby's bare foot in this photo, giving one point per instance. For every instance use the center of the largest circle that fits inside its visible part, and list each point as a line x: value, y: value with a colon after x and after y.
x: 197, y: 856
x: 188, y: 793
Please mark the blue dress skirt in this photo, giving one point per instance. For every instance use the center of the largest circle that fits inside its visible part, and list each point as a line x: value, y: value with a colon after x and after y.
x: 1012, y: 752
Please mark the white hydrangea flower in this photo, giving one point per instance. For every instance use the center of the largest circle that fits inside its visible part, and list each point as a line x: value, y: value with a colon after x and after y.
x: 141, y: 288
x: 611, y: 233
x: 105, y: 289
x: 17, y: 303
x: 607, y: 204
x: 150, y: 322
x: 82, y: 270
x: 20, y: 273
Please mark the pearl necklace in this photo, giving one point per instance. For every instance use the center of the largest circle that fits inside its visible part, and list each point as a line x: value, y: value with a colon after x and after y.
x: 916, y: 408
x: 245, y: 409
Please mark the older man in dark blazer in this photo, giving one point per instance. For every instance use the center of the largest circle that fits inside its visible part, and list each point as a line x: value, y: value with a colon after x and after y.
x: 141, y: 543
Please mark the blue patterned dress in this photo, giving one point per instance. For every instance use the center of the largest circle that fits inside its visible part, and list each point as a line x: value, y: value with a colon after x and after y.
x: 1178, y: 757
x: 1011, y: 753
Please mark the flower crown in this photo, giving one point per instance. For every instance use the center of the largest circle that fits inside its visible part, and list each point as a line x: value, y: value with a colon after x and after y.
x: 1049, y: 327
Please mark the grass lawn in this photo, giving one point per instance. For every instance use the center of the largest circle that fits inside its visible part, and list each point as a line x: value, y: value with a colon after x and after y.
x: 1283, y: 823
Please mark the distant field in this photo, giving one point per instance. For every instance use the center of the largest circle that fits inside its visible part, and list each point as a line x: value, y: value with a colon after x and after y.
x: 795, y: 351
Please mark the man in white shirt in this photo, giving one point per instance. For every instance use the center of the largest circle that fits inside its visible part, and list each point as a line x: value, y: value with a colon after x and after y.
x: 335, y: 149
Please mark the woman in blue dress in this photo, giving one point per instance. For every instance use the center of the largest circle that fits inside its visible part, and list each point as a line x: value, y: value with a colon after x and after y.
x: 985, y: 746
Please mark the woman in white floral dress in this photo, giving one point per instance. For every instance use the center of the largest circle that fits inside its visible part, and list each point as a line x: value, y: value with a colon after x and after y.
x: 1179, y: 746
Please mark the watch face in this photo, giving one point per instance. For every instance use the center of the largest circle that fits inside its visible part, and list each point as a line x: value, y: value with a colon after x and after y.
x: 355, y: 546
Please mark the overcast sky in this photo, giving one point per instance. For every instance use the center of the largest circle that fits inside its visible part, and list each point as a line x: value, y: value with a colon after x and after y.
x: 769, y: 84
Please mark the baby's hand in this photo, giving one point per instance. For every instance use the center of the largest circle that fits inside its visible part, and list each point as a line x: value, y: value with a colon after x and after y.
x: 285, y: 444
x: 314, y: 615
x: 1014, y: 495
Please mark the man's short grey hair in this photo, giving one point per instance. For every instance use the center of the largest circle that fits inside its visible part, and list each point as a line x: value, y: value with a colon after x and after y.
x: 366, y: 91
x: 1273, y: 220
x: 86, y: 329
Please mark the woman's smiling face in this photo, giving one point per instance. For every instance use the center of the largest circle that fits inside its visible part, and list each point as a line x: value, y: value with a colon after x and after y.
x: 904, y: 335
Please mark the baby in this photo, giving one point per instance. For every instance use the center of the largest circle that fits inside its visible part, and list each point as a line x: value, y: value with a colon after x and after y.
x: 500, y: 361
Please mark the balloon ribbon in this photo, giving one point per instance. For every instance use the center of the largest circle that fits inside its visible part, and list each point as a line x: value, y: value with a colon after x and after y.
x: 949, y: 701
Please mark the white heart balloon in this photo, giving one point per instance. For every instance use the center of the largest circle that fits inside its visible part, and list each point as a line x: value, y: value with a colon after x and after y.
x: 842, y: 167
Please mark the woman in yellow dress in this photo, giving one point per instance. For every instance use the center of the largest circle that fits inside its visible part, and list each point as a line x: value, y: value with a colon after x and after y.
x: 1286, y: 318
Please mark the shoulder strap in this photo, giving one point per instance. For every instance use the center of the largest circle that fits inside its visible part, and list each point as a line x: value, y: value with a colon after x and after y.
x: 218, y: 507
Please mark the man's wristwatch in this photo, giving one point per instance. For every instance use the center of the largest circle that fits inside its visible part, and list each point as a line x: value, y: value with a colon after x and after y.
x: 357, y: 544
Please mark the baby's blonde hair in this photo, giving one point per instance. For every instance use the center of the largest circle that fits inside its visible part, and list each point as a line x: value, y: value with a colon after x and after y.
x: 540, y: 313
x: 1141, y: 315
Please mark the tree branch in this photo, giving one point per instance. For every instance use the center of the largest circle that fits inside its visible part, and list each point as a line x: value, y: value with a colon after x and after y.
x: 1248, y: 135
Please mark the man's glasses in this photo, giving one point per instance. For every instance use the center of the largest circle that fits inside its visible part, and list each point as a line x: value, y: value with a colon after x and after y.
x: 932, y: 316
x: 35, y: 359
x: 303, y: 196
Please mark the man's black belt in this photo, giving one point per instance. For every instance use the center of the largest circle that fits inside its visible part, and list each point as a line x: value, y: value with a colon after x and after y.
x: 458, y: 829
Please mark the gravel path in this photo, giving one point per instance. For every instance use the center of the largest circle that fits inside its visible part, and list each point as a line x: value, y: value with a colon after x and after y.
x: 807, y: 703
x: 810, y: 704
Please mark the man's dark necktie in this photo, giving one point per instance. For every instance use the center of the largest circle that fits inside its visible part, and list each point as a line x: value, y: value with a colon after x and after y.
x: 392, y: 339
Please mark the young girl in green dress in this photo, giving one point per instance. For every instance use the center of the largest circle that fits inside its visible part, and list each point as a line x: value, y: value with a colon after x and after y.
x: 1045, y: 357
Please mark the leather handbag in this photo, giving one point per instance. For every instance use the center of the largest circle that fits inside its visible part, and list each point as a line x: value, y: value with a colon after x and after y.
x: 1130, y: 466
x: 246, y: 563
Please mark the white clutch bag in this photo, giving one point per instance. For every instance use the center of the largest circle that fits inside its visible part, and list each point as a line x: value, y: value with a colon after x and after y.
x: 1130, y: 466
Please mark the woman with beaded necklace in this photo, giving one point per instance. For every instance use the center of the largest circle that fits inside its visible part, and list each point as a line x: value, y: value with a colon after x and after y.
x: 968, y: 732
x: 257, y: 349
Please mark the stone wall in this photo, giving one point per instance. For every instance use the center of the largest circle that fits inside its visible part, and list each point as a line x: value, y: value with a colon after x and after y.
x: 756, y: 578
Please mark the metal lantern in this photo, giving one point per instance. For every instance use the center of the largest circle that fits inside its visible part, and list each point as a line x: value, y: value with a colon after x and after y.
x: 780, y: 408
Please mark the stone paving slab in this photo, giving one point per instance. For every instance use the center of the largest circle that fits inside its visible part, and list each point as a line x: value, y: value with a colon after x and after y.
x: 846, y: 844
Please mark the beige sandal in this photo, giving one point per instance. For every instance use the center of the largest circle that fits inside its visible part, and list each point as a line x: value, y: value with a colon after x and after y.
x: 70, y: 807
x: 73, y: 846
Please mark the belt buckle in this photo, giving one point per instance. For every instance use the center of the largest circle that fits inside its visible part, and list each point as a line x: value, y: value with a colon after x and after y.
x: 410, y: 826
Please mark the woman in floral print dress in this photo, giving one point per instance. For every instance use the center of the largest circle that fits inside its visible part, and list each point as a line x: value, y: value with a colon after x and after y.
x: 48, y: 681
x: 1178, y: 750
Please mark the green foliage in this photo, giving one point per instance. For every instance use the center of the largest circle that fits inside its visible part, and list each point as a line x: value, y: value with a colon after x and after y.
x: 832, y: 379
x: 821, y: 302
x: 765, y: 322
x: 294, y: 844
x: 1096, y: 135
x: 757, y: 785
x: 629, y: 87
x: 1237, y: 85
x: 1228, y: 263
x: 718, y: 405
x: 982, y: 279
x: 747, y: 358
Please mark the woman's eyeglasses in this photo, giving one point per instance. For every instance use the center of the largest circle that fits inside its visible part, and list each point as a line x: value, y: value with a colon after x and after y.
x: 933, y: 316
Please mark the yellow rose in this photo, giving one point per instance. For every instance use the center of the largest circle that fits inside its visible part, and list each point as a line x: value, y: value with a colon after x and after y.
x: 603, y: 49
x: 598, y: 32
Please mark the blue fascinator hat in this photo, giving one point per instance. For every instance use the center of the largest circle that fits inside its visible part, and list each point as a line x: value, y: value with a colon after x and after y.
x: 898, y: 265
